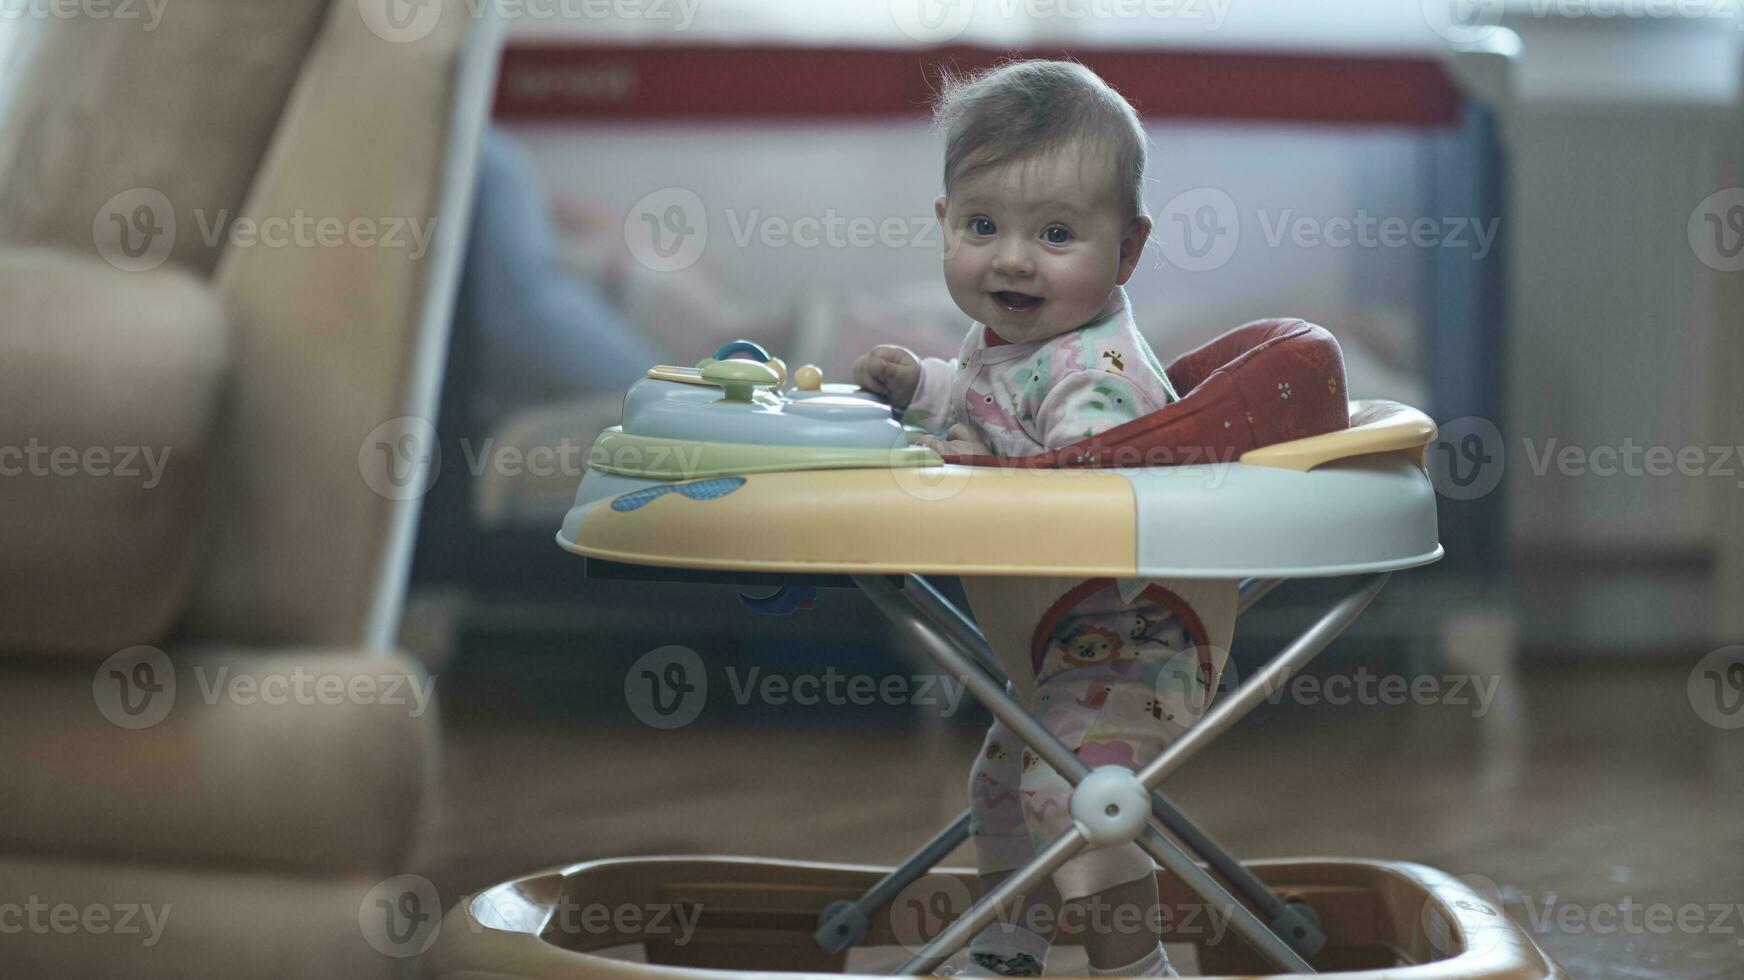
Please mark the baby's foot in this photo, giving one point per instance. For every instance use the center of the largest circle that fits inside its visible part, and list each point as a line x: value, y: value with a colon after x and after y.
x: 1005, y: 950
x: 994, y: 965
x: 1155, y: 964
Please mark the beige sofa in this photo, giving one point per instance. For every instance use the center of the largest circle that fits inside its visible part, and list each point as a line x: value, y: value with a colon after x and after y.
x: 229, y: 237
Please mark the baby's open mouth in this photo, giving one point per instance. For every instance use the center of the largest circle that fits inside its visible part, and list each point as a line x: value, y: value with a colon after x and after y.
x: 1017, y: 302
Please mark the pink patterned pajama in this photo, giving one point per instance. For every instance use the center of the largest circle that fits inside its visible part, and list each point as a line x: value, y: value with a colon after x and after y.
x: 1116, y: 670
x: 1116, y: 680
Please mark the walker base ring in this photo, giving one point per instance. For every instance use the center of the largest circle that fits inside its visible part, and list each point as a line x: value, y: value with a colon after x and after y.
x: 753, y: 915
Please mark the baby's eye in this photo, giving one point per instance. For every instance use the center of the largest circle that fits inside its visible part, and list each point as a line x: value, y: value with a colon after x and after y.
x: 981, y: 226
x: 1056, y: 234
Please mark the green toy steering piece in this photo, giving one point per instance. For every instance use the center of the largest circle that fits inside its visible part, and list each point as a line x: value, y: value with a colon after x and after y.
x: 739, y: 378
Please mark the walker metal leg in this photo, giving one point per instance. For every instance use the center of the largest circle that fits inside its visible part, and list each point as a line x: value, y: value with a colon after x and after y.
x: 961, y: 629
x: 1054, y: 752
x: 957, y: 935
x: 844, y: 924
x: 1253, y: 590
x: 1295, y: 922
x: 1270, y: 678
x: 1248, y: 926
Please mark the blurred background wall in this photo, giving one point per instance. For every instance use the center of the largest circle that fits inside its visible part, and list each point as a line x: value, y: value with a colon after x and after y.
x: 1566, y: 309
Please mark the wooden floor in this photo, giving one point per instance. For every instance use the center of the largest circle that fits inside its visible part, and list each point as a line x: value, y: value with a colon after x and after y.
x: 1594, y: 799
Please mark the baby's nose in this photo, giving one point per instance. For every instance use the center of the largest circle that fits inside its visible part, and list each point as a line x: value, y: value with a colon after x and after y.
x: 1013, y: 261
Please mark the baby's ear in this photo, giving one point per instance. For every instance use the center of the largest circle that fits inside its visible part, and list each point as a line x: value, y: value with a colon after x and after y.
x: 950, y: 240
x: 1132, y: 246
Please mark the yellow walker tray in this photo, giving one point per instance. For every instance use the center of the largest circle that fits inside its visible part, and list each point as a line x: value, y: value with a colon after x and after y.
x: 725, y: 472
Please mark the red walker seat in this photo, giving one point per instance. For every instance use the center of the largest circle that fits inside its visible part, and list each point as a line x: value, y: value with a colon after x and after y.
x: 1262, y: 383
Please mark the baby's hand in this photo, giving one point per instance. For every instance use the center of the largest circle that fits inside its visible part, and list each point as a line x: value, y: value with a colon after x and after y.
x: 959, y: 441
x: 890, y: 372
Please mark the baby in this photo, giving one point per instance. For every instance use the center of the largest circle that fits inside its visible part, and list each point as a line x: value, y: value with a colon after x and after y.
x: 1044, y: 223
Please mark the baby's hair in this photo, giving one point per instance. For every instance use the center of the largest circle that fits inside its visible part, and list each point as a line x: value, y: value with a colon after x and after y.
x: 1023, y: 109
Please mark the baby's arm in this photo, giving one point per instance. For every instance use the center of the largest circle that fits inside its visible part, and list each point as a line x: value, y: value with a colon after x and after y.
x: 1086, y: 403
x: 931, y: 407
x: 920, y: 386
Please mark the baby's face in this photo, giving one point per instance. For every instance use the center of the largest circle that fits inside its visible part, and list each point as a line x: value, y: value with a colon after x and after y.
x: 1035, y: 248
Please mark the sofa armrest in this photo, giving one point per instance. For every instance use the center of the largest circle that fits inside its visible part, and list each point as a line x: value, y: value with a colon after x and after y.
x: 303, y: 761
x: 109, y: 384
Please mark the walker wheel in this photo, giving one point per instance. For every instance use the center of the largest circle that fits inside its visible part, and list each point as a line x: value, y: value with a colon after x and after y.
x: 1299, y: 926
x: 841, y: 926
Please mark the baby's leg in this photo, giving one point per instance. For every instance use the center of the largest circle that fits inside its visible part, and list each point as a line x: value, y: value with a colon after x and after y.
x: 1147, y: 688
x: 1119, y: 713
x: 1115, y: 885
x: 1017, y: 943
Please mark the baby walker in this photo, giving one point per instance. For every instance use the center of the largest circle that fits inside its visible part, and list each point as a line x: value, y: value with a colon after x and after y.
x: 729, y: 471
